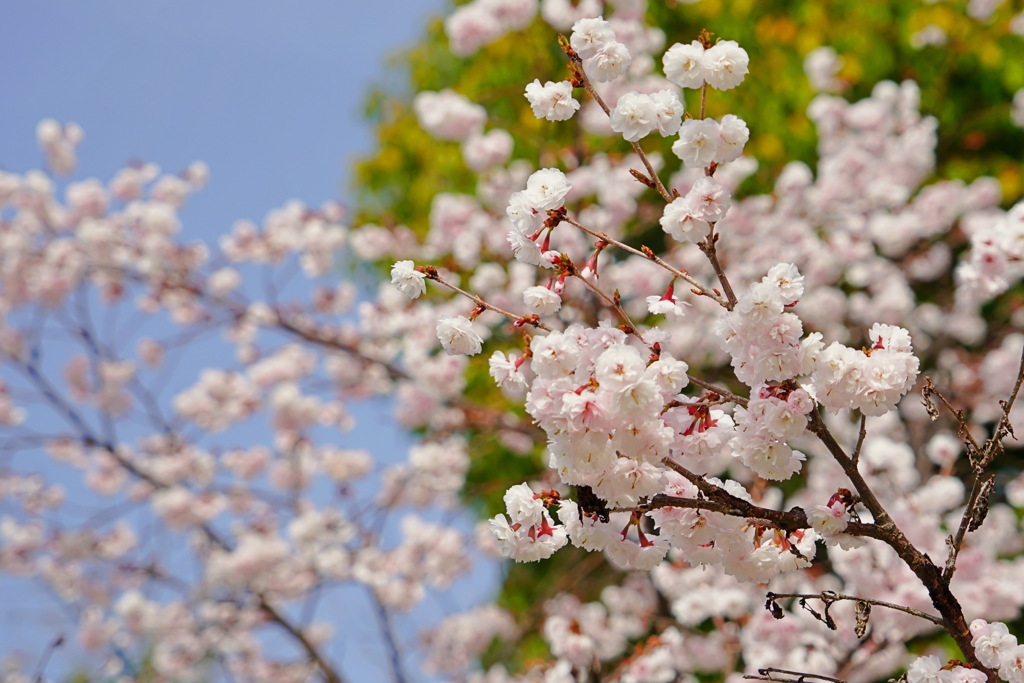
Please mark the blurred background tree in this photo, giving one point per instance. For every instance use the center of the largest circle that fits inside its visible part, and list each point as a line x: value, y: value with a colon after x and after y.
x: 968, y: 70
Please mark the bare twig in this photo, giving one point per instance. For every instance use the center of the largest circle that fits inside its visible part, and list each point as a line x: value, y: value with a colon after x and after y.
x: 533, y: 320
x: 977, y: 502
x: 651, y: 256
x: 830, y: 597
x: 44, y: 659
x: 860, y: 440
x: 585, y: 82
x: 614, y: 303
x: 793, y: 676
x: 724, y: 393
x: 709, y: 246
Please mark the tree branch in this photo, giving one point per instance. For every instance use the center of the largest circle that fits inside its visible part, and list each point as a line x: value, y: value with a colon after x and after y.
x: 795, y: 676
x: 922, y: 566
x: 829, y: 597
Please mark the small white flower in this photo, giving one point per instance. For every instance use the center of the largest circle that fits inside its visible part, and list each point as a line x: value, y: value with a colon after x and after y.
x: 458, y: 336
x: 733, y: 135
x: 698, y: 142
x: 828, y: 520
x: 708, y: 201
x: 408, y: 280
x: 524, y: 249
x: 725, y: 64
x: 552, y: 101
x: 608, y: 63
x: 523, y: 506
x: 659, y: 305
x: 788, y: 279
x: 506, y: 373
x: 634, y: 116
x: 523, y: 215
x: 546, y: 189
x: 679, y: 221
x: 684, y: 65
x: 482, y: 152
x: 541, y: 300
x: 669, y: 110
x: 925, y: 670
x: 590, y: 35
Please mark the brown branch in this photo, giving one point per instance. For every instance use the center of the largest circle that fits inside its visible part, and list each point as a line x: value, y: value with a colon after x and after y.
x: 765, y: 674
x: 720, y: 500
x: 708, y: 246
x: 860, y: 440
x: 930, y: 575
x: 329, y: 673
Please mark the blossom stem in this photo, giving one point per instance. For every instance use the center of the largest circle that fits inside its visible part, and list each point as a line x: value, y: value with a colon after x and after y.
x: 860, y: 439
x: 651, y: 256
x: 728, y: 395
x: 652, y: 174
x: 527, y: 319
x: 614, y: 304
x: 710, y: 249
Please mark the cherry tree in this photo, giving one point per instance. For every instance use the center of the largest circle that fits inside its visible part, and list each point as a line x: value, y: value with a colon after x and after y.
x: 783, y: 419
x: 728, y: 488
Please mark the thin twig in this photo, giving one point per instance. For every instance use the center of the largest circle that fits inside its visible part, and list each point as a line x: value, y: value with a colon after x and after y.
x: 860, y: 439
x: 432, y: 274
x: 636, y: 145
x: 829, y: 596
x: 613, y: 303
x: 981, y: 482
x: 389, y: 639
x: 44, y: 659
x: 708, y: 246
x: 799, y: 676
x: 651, y: 256
x: 724, y: 393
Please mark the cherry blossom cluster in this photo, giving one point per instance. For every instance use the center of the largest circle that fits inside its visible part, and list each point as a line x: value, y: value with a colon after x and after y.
x: 483, y: 21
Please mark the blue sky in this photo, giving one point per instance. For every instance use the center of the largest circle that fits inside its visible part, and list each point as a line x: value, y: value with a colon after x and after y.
x: 268, y: 94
